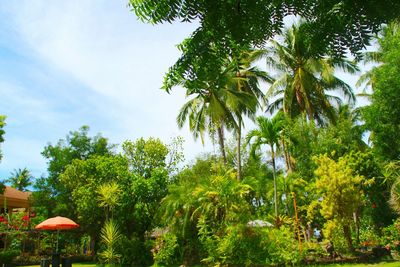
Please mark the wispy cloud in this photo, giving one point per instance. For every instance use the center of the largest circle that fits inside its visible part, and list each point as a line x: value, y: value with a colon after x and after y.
x: 85, y: 62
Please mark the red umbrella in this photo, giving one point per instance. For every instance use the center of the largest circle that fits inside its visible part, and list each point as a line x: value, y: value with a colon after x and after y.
x: 57, y: 223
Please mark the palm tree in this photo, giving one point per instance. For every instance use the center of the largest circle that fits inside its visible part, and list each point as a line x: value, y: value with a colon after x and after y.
x: 207, y: 111
x: 304, y: 78
x: 243, y: 88
x: 268, y: 133
x: 20, y: 179
x: 223, y: 102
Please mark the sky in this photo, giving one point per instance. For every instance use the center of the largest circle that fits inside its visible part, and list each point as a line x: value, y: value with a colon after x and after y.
x: 65, y: 64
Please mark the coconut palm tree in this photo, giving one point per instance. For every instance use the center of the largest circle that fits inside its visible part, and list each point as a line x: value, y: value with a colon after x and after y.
x: 207, y: 111
x: 268, y: 133
x: 305, y: 81
x: 243, y: 84
x: 20, y: 179
x: 223, y: 102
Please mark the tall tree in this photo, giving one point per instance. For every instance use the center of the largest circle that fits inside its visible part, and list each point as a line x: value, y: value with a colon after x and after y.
x: 268, y: 133
x: 20, y: 179
x: 382, y: 115
x: 207, y: 111
x: 223, y: 99
x: 244, y: 78
x: 51, y: 193
x: 305, y: 78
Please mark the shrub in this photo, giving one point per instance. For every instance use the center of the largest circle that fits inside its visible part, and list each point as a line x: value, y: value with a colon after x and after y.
x: 165, y: 251
x: 134, y: 252
x: 241, y: 245
x: 6, y: 256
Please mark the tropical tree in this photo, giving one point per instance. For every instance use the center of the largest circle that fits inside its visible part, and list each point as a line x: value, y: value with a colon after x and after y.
x: 20, y: 179
x: 382, y: 115
x: 335, y: 26
x: 305, y: 78
x: 207, y: 111
x: 51, y: 193
x: 222, y: 102
x: 268, y: 133
x: 340, y: 195
x: 243, y: 83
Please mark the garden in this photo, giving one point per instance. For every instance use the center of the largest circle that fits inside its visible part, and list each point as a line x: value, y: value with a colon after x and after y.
x: 314, y: 179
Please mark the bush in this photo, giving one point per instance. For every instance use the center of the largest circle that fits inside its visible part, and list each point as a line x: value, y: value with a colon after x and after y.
x: 6, y: 256
x: 241, y: 245
x: 391, y: 236
x: 165, y: 251
x: 134, y: 252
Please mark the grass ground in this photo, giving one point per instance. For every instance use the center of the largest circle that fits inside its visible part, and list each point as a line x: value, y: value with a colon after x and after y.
x: 73, y: 265
x: 380, y: 264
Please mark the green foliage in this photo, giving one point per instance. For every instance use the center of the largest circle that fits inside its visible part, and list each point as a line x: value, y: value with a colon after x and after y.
x: 145, y: 155
x: 84, y: 178
x: 242, y: 245
x: 20, y: 179
x: 110, y: 236
x: 305, y: 79
x: 391, y: 236
x: 165, y: 251
x: 51, y: 194
x: 2, y: 132
x: 135, y: 252
x: 334, y: 25
x: 109, y: 195
x: 382, y: 116
x: 268, y: 133
x: 6, y: 256
x: 341, y: 194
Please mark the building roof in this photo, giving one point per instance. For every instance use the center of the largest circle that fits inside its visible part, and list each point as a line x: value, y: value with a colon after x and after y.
x: 15, y: 198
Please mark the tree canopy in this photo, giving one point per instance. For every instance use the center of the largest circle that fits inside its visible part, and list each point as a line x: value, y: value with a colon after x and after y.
x: 334, y: 24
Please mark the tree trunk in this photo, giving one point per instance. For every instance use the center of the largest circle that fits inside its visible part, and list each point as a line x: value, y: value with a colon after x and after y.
x: 239, y: 157
x: 221, y: 141
x: 347, y: 235
x: 275, y: 185
x: 287, y: 156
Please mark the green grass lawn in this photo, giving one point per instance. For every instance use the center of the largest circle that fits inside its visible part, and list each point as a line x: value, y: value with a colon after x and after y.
x: 380, y: 264
x: 73, y: 265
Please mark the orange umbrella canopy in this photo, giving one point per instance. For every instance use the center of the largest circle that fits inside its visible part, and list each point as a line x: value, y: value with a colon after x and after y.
x: 57, y: 223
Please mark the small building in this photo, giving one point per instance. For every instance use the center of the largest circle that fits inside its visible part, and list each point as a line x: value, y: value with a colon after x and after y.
x: 14, y: 199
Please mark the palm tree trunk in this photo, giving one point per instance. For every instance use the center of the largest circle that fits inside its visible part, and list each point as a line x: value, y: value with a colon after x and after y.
x: 275, y: 185
x: 286, y: 155
x: 220, y: 132
x: 239, y: 157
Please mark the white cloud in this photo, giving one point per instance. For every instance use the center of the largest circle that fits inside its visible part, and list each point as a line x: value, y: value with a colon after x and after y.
x: 117, y: 64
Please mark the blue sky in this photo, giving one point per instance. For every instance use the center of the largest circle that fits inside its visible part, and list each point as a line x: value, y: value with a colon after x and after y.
x: 64, y: 64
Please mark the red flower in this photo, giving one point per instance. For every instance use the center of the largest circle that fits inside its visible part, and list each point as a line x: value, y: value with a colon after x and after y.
x: 25, y: 218
x: 33, y: 215
x: 373, y: 205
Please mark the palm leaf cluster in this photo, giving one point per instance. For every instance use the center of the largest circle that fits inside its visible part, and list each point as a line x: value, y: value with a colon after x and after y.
x: 306, y: 82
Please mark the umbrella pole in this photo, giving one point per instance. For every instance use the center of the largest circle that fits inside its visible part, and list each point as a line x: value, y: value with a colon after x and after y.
x: 58, y: 231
